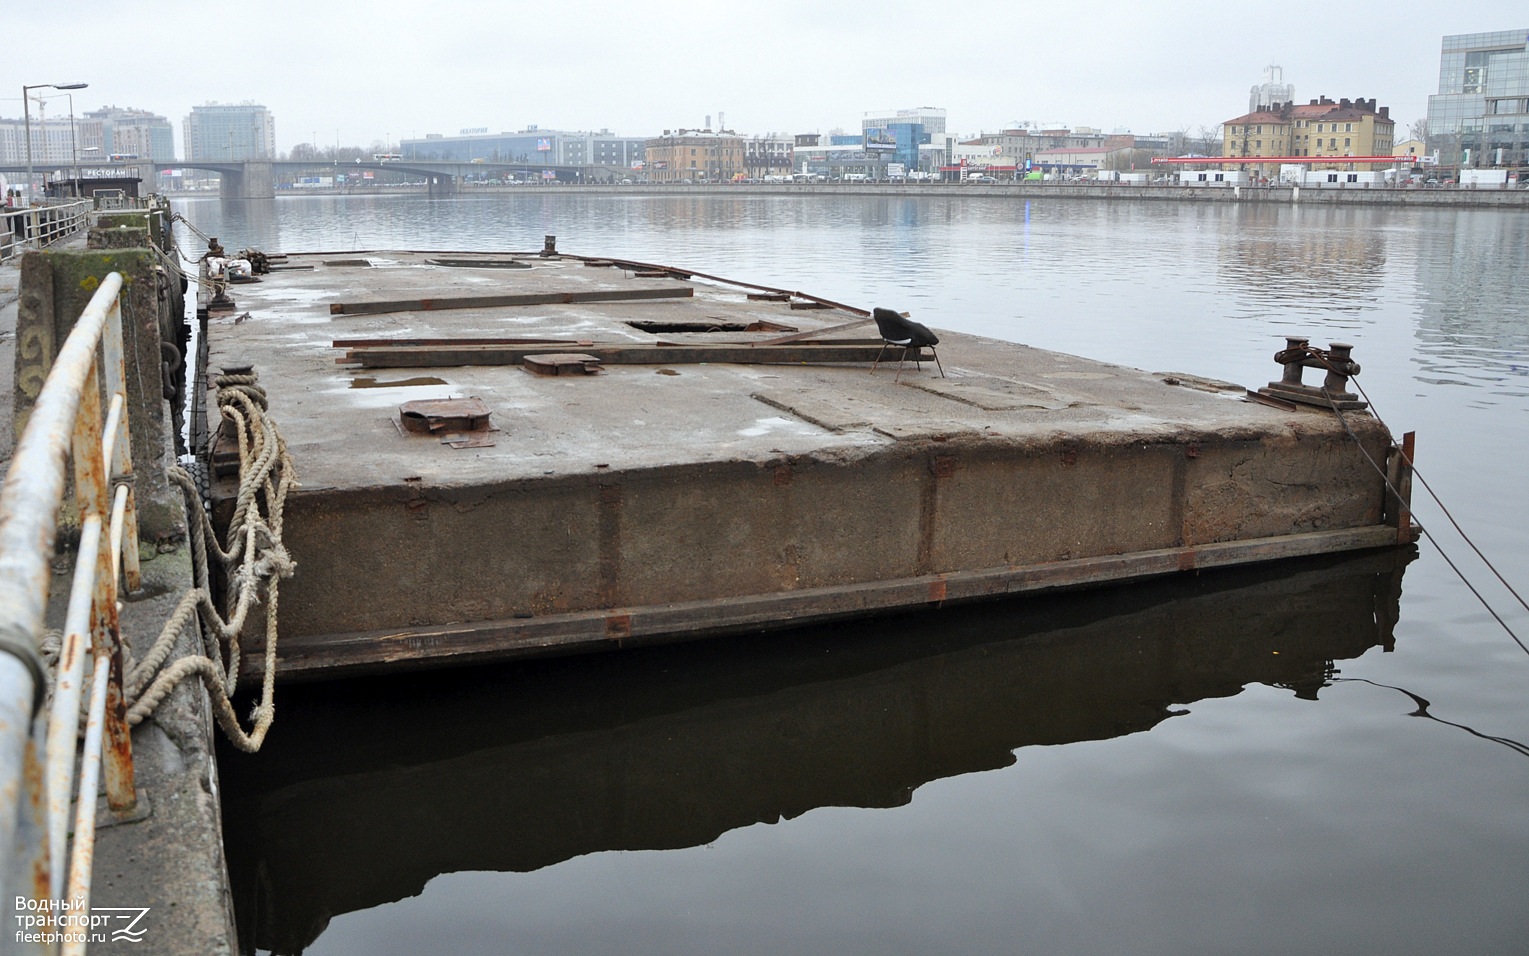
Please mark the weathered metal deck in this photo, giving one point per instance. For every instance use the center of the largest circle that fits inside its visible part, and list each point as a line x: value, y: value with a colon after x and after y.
x: 723, y: 480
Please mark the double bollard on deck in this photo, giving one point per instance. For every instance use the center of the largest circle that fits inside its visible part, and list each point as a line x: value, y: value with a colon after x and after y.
x: 1337, y: 361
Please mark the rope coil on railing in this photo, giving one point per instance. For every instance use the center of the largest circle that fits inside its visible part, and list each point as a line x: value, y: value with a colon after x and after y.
x: 252, y: 559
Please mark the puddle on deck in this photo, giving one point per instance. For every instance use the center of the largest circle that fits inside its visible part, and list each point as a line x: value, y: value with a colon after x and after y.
x: 363, y: 382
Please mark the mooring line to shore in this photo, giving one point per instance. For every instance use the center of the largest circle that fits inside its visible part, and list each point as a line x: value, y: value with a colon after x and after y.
x: 255, y: 560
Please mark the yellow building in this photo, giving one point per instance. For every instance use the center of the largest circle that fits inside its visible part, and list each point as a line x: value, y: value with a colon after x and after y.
x: 1321, y: 128
x: 695, y: 155
x: 1263, y: 133
x: 1344, y: 128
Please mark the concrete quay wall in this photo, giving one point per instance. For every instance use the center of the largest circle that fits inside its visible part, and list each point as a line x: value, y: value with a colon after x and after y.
x: 1517, y: 199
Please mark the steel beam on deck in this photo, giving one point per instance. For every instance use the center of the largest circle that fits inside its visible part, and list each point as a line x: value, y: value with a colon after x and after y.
x: 498, y: 301
x: 659, y: 354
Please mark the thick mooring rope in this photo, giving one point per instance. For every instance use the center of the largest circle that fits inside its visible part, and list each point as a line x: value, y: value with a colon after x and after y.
x: 252, y: 560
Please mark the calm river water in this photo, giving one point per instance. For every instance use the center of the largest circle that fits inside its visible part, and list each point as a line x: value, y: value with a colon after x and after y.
x: 1325, y: 756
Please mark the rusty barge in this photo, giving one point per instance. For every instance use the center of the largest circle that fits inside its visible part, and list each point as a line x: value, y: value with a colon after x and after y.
x: 522, y: 454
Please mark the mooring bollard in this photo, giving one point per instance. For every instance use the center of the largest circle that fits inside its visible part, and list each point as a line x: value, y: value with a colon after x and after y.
x: 1293, y: 344
x: 1297, y: 356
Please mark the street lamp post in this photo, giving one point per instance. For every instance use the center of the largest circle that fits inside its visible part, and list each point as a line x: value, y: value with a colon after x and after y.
x: 74, y: 148
x: 26, y: 114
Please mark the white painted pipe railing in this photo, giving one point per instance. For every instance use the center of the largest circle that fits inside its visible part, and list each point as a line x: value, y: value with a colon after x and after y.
x: 38, y: 861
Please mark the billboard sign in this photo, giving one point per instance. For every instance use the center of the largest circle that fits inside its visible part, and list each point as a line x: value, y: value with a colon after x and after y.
x: 881, y: 138
x: 543, y: 145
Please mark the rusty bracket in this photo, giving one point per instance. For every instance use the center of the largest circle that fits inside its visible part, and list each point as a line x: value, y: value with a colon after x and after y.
x: 470, y: 440
x: 1270, y: 400
x: 562, y: 363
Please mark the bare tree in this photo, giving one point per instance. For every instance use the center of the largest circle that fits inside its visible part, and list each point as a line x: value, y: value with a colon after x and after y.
x: 1126, y: 160
x: 1208, y: 142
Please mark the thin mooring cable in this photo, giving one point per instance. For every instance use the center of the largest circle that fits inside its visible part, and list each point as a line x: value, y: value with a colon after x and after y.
x: 1431, y: 539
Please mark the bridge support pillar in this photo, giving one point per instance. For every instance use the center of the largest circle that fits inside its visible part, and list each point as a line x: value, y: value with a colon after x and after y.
x: 443, y: 184
x: 148, y: 177
x: 257, y: 181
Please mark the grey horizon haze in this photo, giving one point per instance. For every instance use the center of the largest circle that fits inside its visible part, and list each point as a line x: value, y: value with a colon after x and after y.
x: 363, y: 74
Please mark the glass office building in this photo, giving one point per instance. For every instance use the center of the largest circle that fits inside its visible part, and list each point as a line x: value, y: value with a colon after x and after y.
x: 531, y: 146
x: 1480, y: 116
x: 229, y: 132
x: 898, y: 134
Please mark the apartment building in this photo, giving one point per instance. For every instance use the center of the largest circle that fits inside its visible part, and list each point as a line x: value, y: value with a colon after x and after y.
x: 694, y: 154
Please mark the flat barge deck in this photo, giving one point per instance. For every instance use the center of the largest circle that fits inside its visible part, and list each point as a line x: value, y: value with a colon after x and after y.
x: 704, y: 457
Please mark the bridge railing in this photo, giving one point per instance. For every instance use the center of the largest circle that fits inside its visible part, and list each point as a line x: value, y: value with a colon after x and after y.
x: 46, y: 875
x: 40, y: 226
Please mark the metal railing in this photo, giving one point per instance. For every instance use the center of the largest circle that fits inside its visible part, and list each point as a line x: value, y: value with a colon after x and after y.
x: 37, y: 227
x: 37, y: 860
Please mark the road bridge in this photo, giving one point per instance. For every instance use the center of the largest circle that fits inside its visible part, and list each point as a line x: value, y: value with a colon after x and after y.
x: 258, y: 178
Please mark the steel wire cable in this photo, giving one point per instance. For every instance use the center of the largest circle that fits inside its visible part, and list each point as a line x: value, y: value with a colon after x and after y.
x: 1322, y: 356
x: 1424, y: 530
x: 1442, y: 507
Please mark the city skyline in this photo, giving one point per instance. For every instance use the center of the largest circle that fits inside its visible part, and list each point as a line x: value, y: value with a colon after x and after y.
x: 332, y: 76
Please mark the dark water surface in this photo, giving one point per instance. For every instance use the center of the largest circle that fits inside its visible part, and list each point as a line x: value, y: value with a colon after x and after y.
x: 1230, y: 762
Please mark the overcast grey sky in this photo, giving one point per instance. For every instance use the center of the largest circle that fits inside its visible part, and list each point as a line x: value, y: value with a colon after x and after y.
x: 362, y: 72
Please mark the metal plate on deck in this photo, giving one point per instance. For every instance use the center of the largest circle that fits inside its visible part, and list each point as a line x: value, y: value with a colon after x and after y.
x: 436, y: 415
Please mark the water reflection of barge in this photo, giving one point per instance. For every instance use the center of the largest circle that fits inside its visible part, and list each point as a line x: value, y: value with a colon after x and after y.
x: 525, y: 765
x: 732, y: 467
